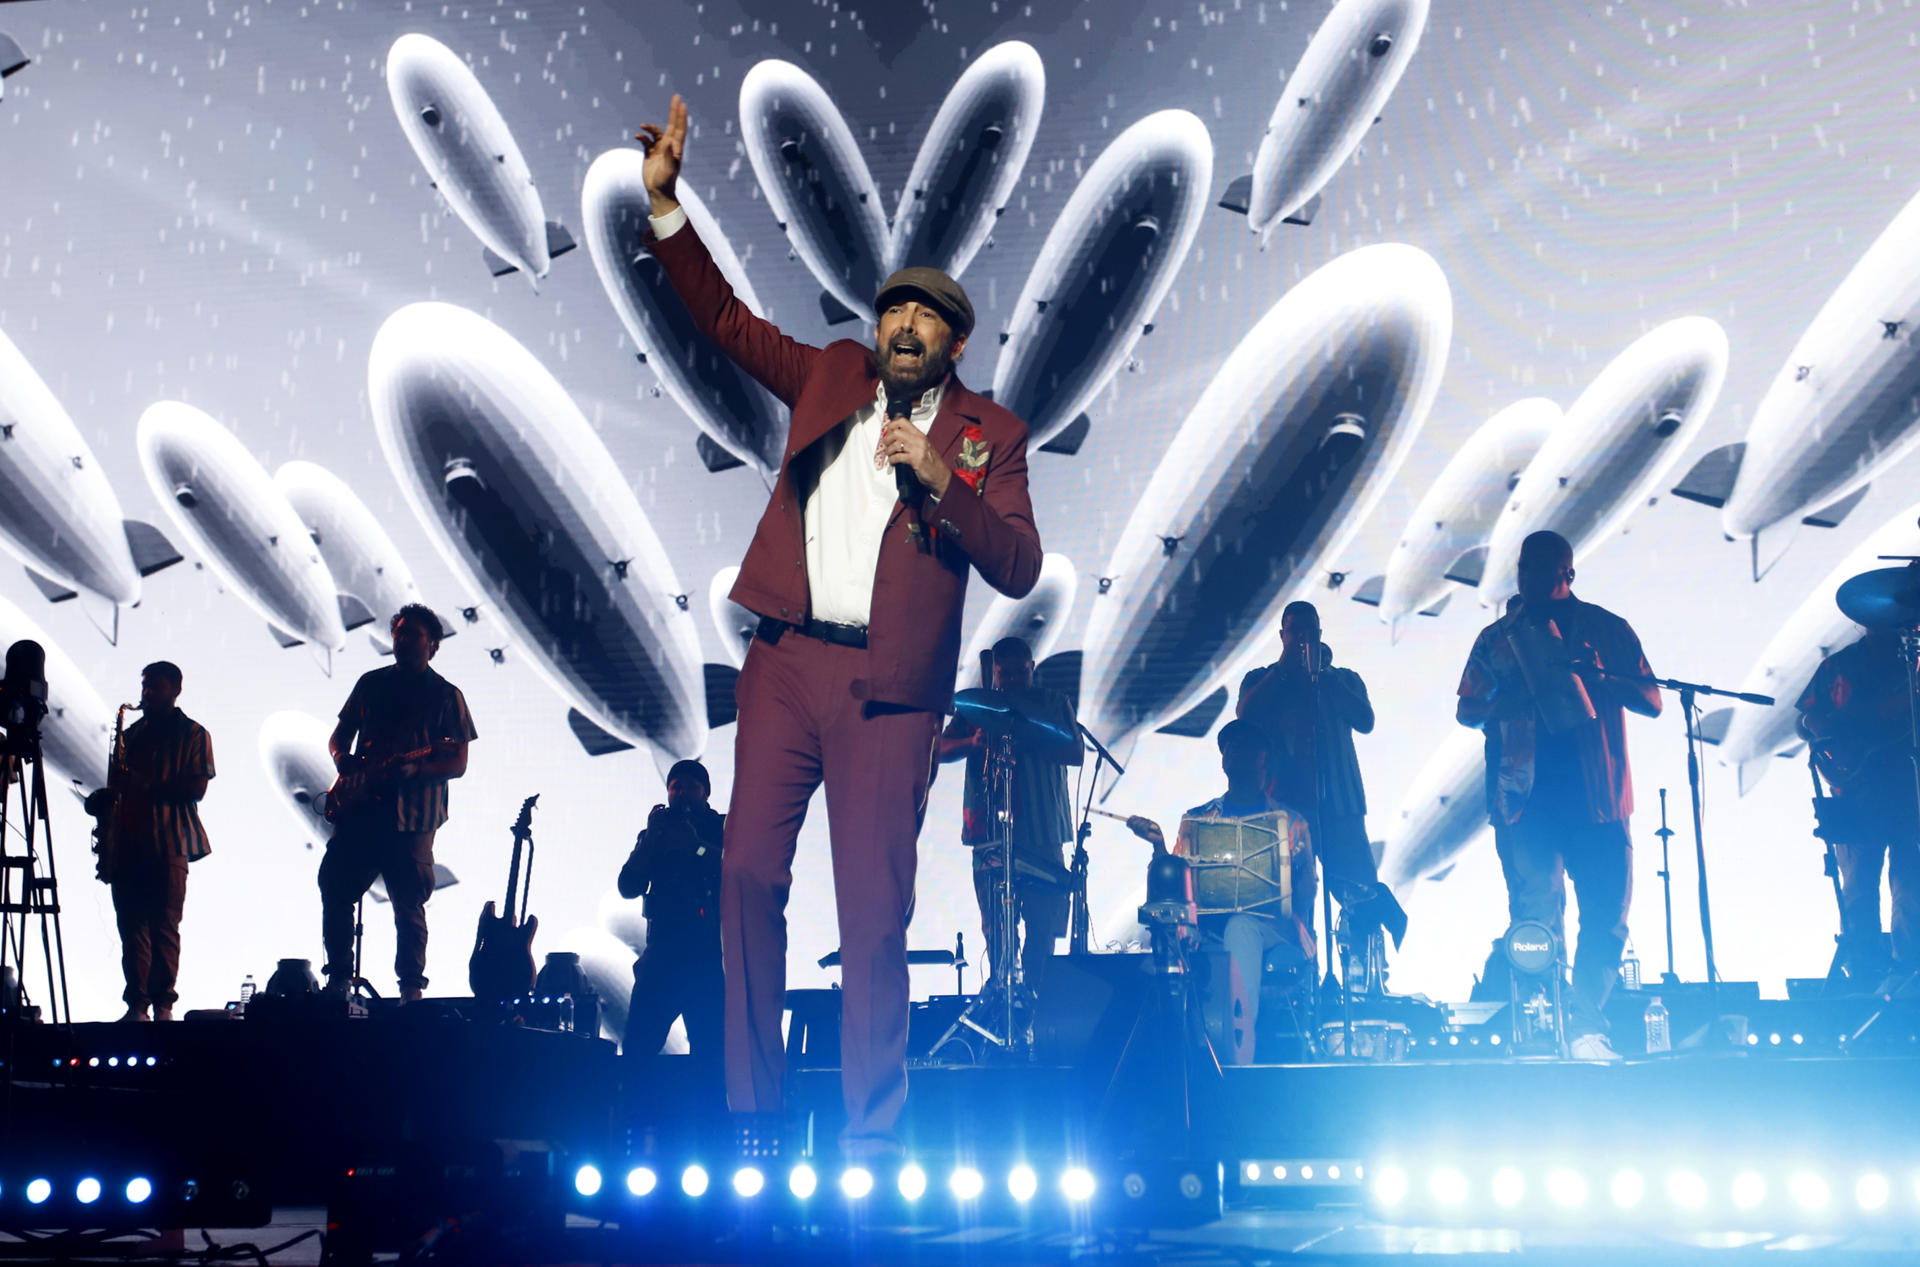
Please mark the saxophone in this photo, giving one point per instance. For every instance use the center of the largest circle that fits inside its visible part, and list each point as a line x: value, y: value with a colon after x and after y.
x: 101, y: 804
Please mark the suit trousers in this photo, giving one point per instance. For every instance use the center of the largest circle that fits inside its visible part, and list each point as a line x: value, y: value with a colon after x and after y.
x: 800, y: 726
x: 149, y: 894
x: 1542, y: 851
x: 404, y: 859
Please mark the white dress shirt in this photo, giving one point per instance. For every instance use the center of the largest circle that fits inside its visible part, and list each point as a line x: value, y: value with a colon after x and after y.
x: 845, y: 513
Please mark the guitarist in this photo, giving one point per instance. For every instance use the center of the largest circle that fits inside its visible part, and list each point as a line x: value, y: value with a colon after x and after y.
x: 675, y: 866
x: 394, y: 716
x: 1854, y: 714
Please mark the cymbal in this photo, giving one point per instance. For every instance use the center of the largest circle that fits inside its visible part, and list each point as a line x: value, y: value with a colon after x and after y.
x: 997, y: 713
x: 1885, y: 598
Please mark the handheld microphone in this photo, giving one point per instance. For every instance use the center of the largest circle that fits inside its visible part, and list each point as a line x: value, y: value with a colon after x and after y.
x: 908, y: 484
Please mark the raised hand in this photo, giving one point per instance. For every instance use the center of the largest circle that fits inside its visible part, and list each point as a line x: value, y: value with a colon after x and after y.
x: 666, y: 147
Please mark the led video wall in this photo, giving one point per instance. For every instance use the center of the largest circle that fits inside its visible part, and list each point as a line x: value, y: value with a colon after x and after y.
x: 310, y: 311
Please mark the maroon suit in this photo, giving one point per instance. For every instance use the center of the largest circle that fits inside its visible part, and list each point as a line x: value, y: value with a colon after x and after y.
x: 863, y: 720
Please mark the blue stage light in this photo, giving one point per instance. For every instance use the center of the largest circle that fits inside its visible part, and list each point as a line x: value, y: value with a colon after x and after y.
x: 748, y: 1181
x: 38, y: 1190
x: 856, y: 1182
x: 1508, y: 1186
x: 641, y: 1180
x: 87, y: 1191
x: 1390, y: 1185
x: 967, y: 1184
x: 1449, y: 1186
x: 1628, y: 1188
x: 1749, y: 1190
x: 1872, y: 1191
x: 803, y: 1183
x: 1022, y: 1183
x: 1687, y: 1188
x: 1076, y: 1184
x: 1809, y: 1190
x: 586, y: 1180
x: 913, y: 1182
x: 693, y: 1181
x: 139, y: 1188
x: 1568, y: 1188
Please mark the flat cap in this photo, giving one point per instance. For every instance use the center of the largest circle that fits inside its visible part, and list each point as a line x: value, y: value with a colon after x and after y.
x: 932, y: 287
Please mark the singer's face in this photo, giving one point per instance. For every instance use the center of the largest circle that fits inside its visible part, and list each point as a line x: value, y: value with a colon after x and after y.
x: 916, y: 346
x: 1300, y: 630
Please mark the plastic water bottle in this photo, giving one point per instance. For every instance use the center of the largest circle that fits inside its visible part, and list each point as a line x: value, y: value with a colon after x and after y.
x: 246, y: 993
x: 1630, y: 968
x: 1658, y: 1037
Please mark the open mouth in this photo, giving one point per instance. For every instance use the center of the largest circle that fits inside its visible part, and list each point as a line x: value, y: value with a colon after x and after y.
x: 907, y: 353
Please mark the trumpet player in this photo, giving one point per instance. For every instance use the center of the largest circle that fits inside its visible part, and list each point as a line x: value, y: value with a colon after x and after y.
x: 1558, y: 789
x: 159, y: 774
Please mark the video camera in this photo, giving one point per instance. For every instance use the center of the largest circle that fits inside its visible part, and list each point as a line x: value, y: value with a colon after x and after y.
x: 23, y: 698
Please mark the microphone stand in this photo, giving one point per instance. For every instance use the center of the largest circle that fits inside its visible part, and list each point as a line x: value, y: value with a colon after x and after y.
x: 1082, y: 918
x: 1688, y: 692
x: 1669, y: 977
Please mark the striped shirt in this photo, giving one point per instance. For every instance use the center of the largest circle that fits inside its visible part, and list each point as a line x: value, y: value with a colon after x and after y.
x: 393, y: 712
x: 152, y: 812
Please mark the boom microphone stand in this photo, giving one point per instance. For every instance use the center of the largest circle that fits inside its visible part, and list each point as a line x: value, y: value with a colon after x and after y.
x: 1689, y: 717
x: 1082, y: 919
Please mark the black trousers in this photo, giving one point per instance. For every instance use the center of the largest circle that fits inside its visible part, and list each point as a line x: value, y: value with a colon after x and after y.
x: 1041, y: 908
x: 1860, y: 866
x: 678, y: 975
x: 404, y: 859
x: 1540, y: 853
x: 149, y: 894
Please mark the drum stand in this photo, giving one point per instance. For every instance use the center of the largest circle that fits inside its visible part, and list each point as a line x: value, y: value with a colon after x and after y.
x: 998, y: 1024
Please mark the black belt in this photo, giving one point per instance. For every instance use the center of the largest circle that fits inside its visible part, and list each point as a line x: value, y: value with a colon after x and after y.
x: 820, y: 630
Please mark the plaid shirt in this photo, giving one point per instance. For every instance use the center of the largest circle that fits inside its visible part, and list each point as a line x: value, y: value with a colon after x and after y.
x: 391, y: 712
x: 1582, y: 774
x: 151, y: 813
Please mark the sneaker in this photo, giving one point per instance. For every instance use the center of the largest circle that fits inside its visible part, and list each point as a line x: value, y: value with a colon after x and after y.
x: 134, y: 1014
x: 163, y: 1013
x: 1593, y: 1047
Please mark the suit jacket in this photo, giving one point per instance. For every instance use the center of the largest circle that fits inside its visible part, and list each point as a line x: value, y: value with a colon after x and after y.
x: 913, y: 632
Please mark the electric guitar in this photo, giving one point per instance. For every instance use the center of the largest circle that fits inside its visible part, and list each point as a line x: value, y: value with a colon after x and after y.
x: 502, y: 963
x: 368, y: 785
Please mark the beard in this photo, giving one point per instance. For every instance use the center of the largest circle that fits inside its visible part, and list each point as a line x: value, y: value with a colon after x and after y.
x: 917, y: 373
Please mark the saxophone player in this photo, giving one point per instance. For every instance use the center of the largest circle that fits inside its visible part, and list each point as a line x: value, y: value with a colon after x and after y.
x: 158, y: 778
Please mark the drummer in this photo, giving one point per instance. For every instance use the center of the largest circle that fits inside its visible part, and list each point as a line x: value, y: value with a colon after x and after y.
x: 1042, y: 813
x: 1253, y: 938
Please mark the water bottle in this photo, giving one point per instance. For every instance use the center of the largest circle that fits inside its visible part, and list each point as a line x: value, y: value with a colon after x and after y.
x: 1630, y: 968
x: 1658, y: 1038
x: 246, y: 993
x: 566, y: 1014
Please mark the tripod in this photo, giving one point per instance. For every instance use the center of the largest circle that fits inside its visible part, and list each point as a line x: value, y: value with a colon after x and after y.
x: 27, y: 894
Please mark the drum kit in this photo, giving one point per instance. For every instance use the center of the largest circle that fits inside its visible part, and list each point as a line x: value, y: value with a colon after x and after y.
x: 1009, y: 731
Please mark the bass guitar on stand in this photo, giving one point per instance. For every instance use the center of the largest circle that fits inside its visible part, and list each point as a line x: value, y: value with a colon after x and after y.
x: 501, y: 967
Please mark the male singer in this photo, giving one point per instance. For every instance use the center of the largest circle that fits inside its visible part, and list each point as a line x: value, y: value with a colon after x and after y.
x: 1559, y: 786
x: 896, y: 479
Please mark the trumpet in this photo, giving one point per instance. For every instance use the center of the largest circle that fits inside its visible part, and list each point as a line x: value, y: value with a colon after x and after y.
x: 101, y: 803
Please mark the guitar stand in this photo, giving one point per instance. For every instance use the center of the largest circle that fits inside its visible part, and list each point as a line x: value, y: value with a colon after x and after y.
x: 359, y: 989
